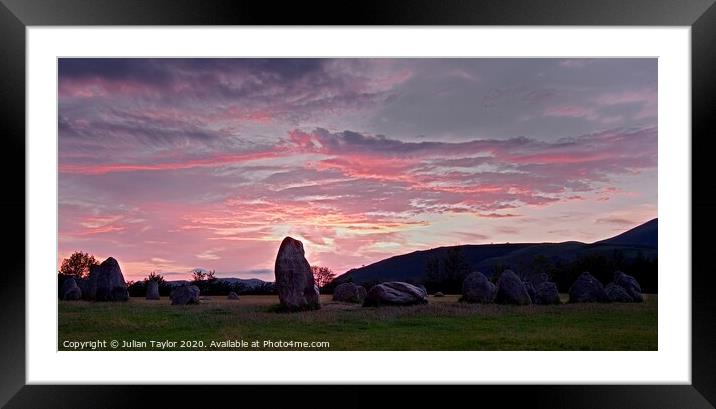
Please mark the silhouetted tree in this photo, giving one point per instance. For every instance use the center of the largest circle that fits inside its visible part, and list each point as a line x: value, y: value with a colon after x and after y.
x: 208, y: 283
x: 322, y: 275
x: 154, y: 276
x: 198, y: 275
x: 77, y: 265
x: 434, y: 277
x: 456, y: 268
x: 447, y: 274
x: 137, y: 288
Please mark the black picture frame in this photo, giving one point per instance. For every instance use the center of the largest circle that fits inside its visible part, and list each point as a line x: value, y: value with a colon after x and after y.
x: 16, y: 15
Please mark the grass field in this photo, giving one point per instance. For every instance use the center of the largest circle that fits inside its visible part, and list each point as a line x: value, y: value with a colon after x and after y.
x: 443, y: 324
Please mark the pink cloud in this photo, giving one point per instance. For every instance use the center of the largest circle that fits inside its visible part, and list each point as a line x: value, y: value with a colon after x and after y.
x: 210, y: 162
x: 571, y: 111
x: 646, y: 95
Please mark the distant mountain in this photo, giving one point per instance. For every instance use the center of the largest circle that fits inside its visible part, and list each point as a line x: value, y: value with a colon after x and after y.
x: 641, y: 240
x: 412, y: 265
x: 646, y: 235
x: 248, y: 282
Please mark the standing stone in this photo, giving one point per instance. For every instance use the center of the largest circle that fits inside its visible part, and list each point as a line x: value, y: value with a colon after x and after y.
x: 629, y: 284
x: 233, y: 296
x: 185, y: 294
x: 395, y: 293
x: 152, y: 290
x: 476, y: 288
x: 349, y: 292
x: 511, y: 290
x: 587, y: 289
x: 70, y: 290
x: 294, y: 280
x: 546, y: 293
x: 106, y: 282
x: 617, y: 293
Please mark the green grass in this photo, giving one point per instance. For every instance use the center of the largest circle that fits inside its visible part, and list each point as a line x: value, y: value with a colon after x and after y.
x: 443, y: 324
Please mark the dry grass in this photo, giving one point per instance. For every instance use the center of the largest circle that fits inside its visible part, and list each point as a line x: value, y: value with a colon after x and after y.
x: 442, y: 324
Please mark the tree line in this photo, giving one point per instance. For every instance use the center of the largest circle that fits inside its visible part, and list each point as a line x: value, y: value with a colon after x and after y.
x: 78, y: 265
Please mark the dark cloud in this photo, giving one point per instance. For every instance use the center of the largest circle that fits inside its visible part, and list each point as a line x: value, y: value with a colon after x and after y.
x: 152, y: 71
x: 144, y: 71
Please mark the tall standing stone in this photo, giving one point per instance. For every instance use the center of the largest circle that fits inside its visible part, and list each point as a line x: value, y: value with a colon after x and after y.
x: 294, y: 280
x: 152, y: 290
x: 106, y: 282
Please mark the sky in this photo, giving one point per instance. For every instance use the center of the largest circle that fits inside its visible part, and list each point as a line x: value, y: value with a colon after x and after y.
x: 174, y: 164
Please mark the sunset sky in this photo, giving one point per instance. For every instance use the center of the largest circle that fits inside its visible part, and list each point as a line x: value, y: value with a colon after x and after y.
x: 173, y: 164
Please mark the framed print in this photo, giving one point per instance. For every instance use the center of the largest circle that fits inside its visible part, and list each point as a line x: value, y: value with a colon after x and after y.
x: 429, y: 195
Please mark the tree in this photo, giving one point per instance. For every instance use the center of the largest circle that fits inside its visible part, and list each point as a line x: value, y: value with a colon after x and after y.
x: 456, y: 268
x: 154, y: 276
x: 434, y: 279
x: 322, y: 275
x: 198, y: 275
x: 78, y: 265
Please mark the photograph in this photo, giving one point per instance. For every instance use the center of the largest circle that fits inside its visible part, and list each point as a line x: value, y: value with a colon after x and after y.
x: 357, y: 204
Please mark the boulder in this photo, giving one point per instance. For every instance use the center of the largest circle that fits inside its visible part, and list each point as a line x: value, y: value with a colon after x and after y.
x: 185, y: 294
x: 395, y: 293
x: 629, y: 284
x: 349, y: 292
x: 617, y: 293
x: 438, y: 294
x: 70, y: 290
x: 233, y: 296
x: 476, y: 288
x: 106, y: 282
x: 546, y: 293
x: 587, y: 289
x: 152, y: 290
x: 294, y: 280
x: 511, y: 290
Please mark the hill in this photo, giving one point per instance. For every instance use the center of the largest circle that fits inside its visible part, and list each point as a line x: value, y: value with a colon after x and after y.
x: 640, y: 241
x: 645, y: 235
x: 248, y: 282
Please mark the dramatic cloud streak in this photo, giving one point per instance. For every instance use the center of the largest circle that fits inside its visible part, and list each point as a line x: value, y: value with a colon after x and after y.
x: 170, y: 164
